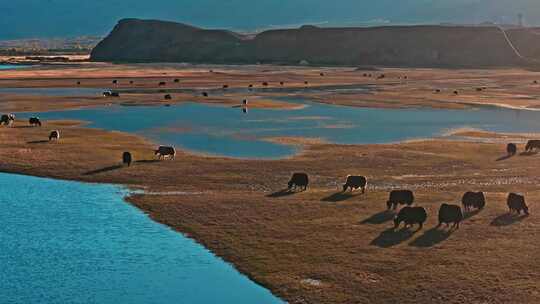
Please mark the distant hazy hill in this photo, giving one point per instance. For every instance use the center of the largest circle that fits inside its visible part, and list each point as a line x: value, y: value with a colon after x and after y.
x: 134, y: 40
x: 54, y: 18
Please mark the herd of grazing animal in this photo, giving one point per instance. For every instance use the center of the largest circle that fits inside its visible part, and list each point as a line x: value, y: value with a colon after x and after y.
x: 408, y: 214
x: 163, y: 152
x: 411, y: 215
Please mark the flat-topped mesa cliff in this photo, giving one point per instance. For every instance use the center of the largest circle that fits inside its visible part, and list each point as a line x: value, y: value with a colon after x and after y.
x: 134, y: 40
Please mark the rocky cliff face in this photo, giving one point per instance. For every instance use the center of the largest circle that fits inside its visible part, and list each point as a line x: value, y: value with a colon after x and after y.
x: 135, y: 40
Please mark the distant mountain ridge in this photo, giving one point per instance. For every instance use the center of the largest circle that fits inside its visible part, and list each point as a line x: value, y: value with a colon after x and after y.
x: 135, y: 40
x: 69, y: 18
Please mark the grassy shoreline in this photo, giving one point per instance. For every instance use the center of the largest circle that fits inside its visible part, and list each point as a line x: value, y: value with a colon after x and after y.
x: 320, y: 245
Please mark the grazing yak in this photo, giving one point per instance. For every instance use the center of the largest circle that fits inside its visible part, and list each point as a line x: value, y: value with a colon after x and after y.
x: 176, y: 80
x: 533, y: 144
x: 204, y: 94
x: 111, y: 94
x: 265, y: 84
x: 167, y: 97
x: 298, y: 180
x: 34, y: 122
x: 403, y: 197
x: 516, y: 202
x: 225, y: 86
x: 115, y: 81
x: 450, y: 214
x: 162, y: 83
x: 7, y: 119
x: 126, y: 158
x: 165, y: 152
x: 55, y: 134
x: 281, y: 83
x: 354, y: 182
x: 472, y: 200
x: 511, y: 149
x: 411, y: 216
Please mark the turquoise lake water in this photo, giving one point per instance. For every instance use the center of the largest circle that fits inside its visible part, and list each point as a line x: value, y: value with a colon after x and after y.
x: 230, y: 132
x: 12, y: 66
x: 70, y: 242
x: 54, y: 91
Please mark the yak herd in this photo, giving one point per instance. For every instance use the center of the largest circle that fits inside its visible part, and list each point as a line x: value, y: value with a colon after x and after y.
x: 162, y: 152
x: 411, y: 215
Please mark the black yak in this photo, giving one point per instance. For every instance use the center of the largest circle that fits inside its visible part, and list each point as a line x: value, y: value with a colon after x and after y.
x: 34, y: 121
x: 403, y: 197
x: 516, y: 202
x: 167, y: 97
x: 411, y: 216
x: 354, y: 182
x: 473, y: 200
x: 162, y: 83
x: 55, y: 134
x: 450, y: 214
x: 533, y: 144
x: 204, y: 94
x: 7, y: 119
x: 126, y: 158
x: 511, y: 149
x: 176, y: 80
x: 165, y: 152
x: 298, y: 180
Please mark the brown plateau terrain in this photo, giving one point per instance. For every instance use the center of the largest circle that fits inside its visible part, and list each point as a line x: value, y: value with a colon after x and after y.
x: 321, y: 245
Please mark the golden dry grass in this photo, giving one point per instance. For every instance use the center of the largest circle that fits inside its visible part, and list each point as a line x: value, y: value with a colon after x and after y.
x: 513, y: 88
x: 321, y: 246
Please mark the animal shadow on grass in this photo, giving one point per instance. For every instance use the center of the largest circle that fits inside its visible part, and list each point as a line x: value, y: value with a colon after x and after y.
x: 508, y: 219
x: 505, y: 157
x: 379, y: 218
x: 147, y: 161
x: 432, y: 237
x: 469, y: 214
x: 281, y: 193
x: 530, y: 153
x: 103, y: 170
x: 391, y: 237
x: 338, y: 197
x: 37, y: 142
